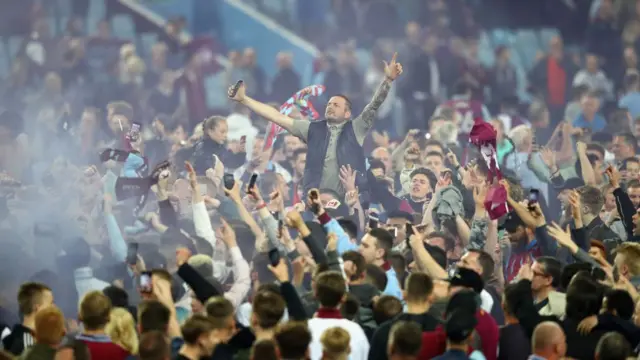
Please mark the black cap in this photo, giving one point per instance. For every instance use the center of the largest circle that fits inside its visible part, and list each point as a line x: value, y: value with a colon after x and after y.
x: 511, y: 222
x: 460, y: 325
x: 467, y: 278
x: 570, y: 184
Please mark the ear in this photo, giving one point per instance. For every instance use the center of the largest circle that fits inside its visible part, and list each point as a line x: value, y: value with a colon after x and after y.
x: 347, y: 114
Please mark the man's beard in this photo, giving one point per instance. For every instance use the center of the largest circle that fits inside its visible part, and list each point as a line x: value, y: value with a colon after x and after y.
x: 334, y: 120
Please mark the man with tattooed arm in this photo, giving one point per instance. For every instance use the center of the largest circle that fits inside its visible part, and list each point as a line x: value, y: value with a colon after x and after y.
x: 333, y: 142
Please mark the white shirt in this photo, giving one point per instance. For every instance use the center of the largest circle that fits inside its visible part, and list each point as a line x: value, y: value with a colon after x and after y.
x: 359, y: 342
x: 487, y: 301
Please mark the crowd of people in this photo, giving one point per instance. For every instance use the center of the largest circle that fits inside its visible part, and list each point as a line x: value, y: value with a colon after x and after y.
x: 302, y: 222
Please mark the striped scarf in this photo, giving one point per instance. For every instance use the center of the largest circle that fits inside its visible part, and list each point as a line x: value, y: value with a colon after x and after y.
x: 302, y: 103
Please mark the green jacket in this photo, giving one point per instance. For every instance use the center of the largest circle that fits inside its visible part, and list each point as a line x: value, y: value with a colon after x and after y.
x: 38, y: 352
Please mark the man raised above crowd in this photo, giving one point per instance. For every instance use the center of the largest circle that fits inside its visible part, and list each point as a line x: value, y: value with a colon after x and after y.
x: 333, y: 142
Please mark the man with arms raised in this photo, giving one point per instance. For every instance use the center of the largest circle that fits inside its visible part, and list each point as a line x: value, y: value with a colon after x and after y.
x: 335, y: 141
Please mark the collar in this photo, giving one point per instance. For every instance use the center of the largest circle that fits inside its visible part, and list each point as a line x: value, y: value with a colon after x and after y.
x: 324, y: 313
x: 386, y: 266
x: 94, y: 338
x: 335, y: 126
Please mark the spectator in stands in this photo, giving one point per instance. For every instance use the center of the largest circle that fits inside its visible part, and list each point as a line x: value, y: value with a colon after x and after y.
x: 286, y: 82
x: 503, y: 79
x: 631, y: 98
x: 122, y: 330
x: 594, y: 78
x: 199, y: 341
x: 256, y: 74
x: 344, y: 77
x: 603, y: 36
x: 553, y: 75
x: 335, y: 344
x: 626, y: 262
x: 544, y: 275
x: 590, y: 119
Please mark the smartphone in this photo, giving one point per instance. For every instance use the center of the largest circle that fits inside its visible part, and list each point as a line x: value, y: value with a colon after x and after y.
x: 408, y: 232
x: 134, y: 132
x: 274, y: 257
x: 534, y: 195
x: 132, y: 253
x: 252, y: 181
x: 374, y: 221
x: 146, y: 286
x: 235, y: 88
x: 229, y: 181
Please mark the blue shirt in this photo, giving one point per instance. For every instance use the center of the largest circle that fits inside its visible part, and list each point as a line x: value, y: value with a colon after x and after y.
x: 631, y: 102
x: 596, y: 125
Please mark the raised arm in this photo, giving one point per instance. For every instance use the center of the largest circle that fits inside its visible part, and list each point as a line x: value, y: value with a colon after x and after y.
x: 262, y: 109
x: 364, y: 121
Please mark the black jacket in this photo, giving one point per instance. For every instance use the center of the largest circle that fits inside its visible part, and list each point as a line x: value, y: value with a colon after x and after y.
x: 378, y: 350
x: 21, y: 337
x: 202, y: 156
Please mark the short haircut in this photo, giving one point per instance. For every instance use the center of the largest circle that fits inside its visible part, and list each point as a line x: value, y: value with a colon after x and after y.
x: 298, y: 152
x: 265, y: 349
x: 121, y: 108
x: 621, y: 302
x: 612, y: 346
x: 335, y: 342
x: 219, y: 309
x: 330, y: 289
x: 154, y: 345
x: 433, y: 179
x: 633, y: 183
x: 211, y: 122
x: 350, y: 307
x: 631, y: 80
x: 596, y: 147
x: 346, y: 101
x: 30, y: 296
x: 153, y: 316
x: 95, y: 309
x: 196, y: 326
x: 418, y: 287
x: 591, y: 198
x: 399, y: 214
x: 449, y: 241
x: 384, y: 240
x: 376, y: 276
x: 434, y: 142
x: 405, y: 339
x: 386, y: 308
x: 552, y: 267
x: 434, y: 153
x: 118, y: 297
x: 486, y: 261
x: 268, y: 308
x: 628, y: 138
x: 631, y: 253
x: 49, y: 326
x: 358, y: 261
x: 293, y: 340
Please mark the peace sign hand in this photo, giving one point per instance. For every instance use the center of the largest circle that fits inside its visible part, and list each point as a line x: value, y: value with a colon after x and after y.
x: 392, y: 69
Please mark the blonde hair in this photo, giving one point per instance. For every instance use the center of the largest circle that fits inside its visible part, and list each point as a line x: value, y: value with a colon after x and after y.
x: 631, y: 256
x: 335, y: 344
x: 520, y: 135
x: 122, y: 330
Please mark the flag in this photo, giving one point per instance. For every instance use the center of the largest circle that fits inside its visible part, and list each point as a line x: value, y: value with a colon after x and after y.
x: 302, y: 103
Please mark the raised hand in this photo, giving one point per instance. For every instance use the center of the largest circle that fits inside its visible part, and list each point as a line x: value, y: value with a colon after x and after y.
x: 393, y: 69
x: 614, y: 176
x: 239, y: 95
x: 193, y: 178
x: 348, y: 177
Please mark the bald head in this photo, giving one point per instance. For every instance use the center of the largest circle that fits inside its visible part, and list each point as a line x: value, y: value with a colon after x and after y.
x: 549, y: 341
x: 383, y: 154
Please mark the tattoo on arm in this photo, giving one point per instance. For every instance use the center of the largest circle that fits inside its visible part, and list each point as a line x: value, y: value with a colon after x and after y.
x: 369, y: 112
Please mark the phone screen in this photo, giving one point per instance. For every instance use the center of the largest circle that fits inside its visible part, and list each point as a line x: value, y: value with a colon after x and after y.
x: 146, y: 286
x: 252, y: 181
x: 533, y: 196
x: 229, y: 181
x: 132, y: 253
x: 274, y: 257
